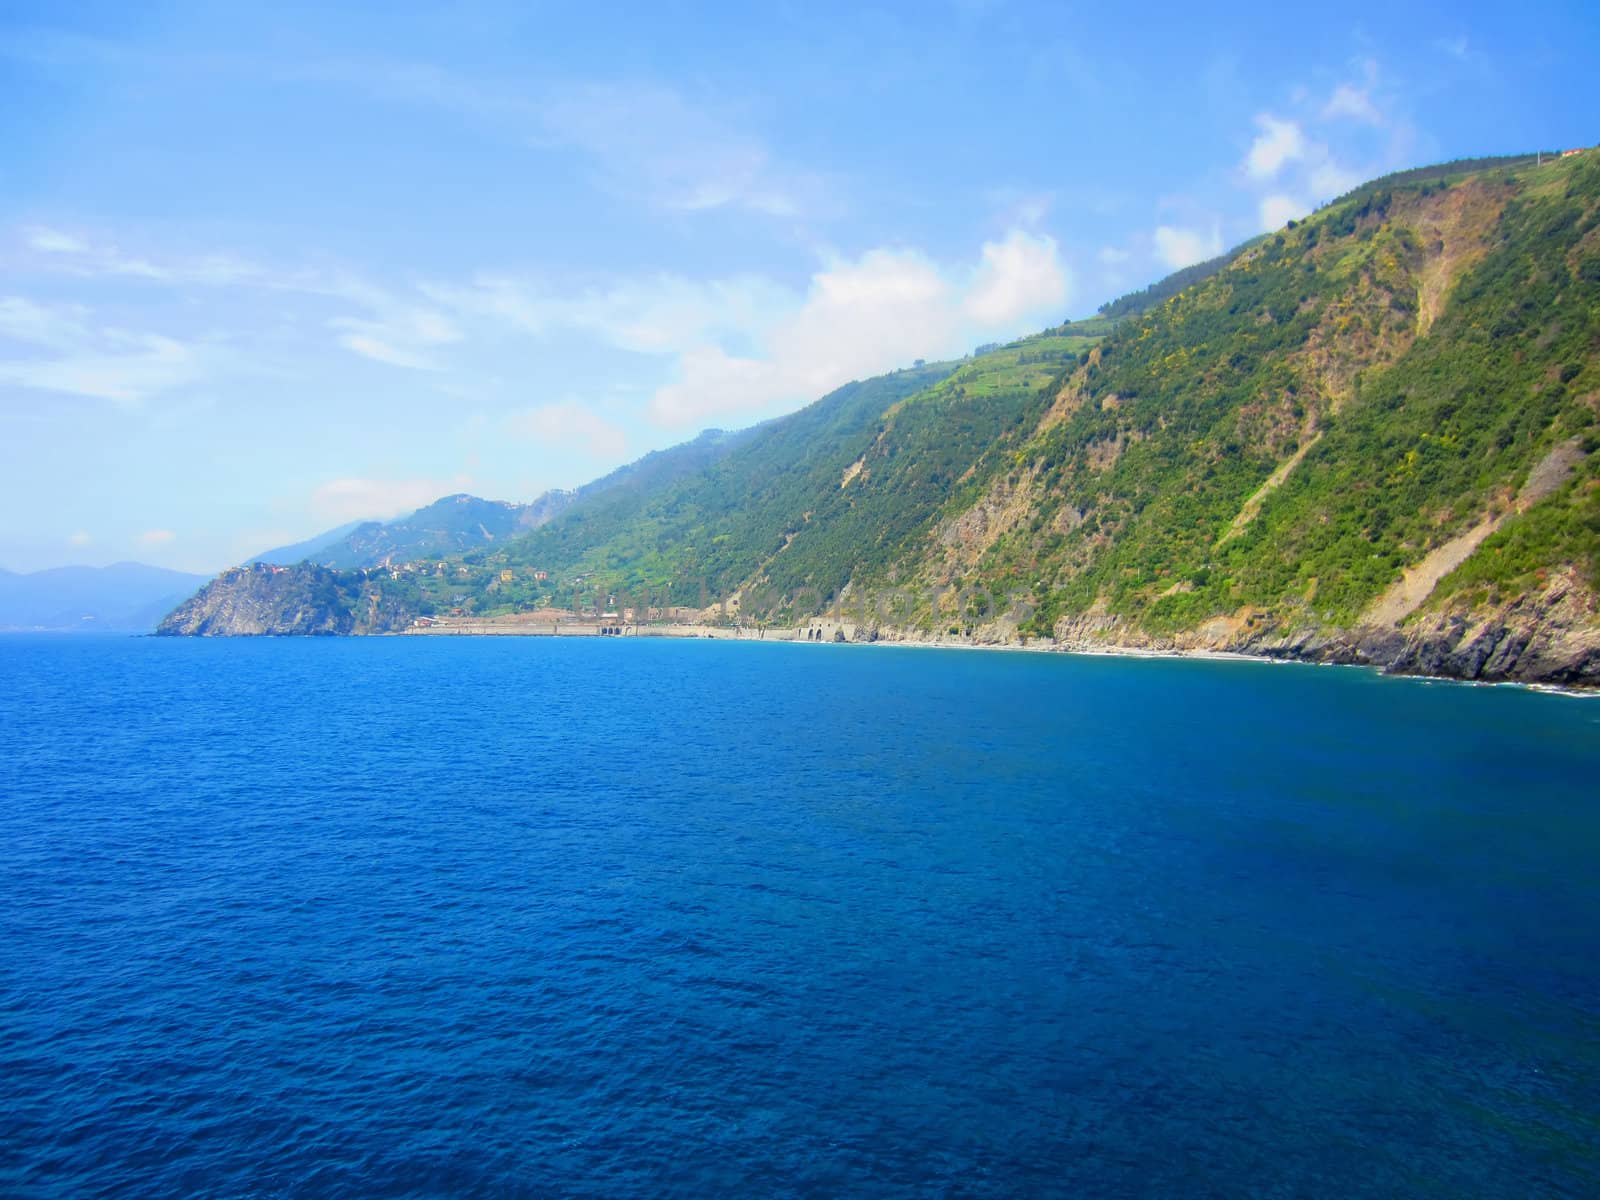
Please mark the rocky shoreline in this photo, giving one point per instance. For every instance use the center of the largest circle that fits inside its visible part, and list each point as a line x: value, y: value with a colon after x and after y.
x: 1548, y: 639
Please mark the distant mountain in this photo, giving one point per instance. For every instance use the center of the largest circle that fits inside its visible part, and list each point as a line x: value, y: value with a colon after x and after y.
x: 122, y: 598
x: 1372, y: 436
x: 285, y: 556
x: 1367, y: 437
x: 461, y: 523
x: 451, y: 525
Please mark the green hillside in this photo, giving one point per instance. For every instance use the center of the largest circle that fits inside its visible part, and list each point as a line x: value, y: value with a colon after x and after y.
x: 842, y: 487
x: 1404, y: 359
x: 1364, y: 437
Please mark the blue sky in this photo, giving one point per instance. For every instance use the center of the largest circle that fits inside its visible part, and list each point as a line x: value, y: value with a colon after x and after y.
x: 265, y: 269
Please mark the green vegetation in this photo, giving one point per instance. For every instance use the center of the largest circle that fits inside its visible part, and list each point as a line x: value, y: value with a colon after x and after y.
x: 1134, y: 303
x: 840, y: 491
x: 1520, y: 557
x: 1313, y: 336
x: 1458, y: 168
x: 1270, y: 438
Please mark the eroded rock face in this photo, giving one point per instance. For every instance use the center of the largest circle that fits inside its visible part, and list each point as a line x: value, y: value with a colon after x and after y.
x: 278, y: 601
x: 1551, y: 637
x: 1547, y: 637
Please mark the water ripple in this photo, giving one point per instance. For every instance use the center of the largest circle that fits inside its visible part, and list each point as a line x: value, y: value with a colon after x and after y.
x: 517, y: 918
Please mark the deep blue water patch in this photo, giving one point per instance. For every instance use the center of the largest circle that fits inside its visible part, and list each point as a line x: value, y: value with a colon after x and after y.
x: 523, y: 917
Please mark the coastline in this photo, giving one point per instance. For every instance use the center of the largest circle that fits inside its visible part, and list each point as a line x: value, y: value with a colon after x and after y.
x: 823, y: 633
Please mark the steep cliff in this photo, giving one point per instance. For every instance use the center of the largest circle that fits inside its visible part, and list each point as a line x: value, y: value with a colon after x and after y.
x: 1368, y: 437
x: 302, y: 600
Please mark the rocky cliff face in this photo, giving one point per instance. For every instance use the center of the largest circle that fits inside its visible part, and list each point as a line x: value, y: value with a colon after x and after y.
x: 1371, y: 437
x: 302, y: 600
x: 1548, y: 637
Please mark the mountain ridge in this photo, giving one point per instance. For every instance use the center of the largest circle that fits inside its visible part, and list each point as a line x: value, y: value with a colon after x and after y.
x: 1249, y: 463
x: 461, y: 522
x: 122, y: 597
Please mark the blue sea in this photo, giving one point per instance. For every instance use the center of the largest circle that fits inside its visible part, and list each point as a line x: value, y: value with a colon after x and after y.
x: 633, y: 918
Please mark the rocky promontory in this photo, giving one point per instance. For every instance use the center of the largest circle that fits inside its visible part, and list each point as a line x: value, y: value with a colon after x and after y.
x: 263, y: 600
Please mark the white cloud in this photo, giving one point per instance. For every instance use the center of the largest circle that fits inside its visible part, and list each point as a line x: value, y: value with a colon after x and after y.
x: 83, y: 359
x: 53, y: 241
x: 711, y: 382
x: 402, y: 337
x: 569, y: 423
x: 1354, y: 103
x: 57, y: 326
x: 88, y: 258
x: 381, y: 351
x: 864, y: 316
x: 390, y: 331
x: 1290, y: 171
x: 1278, y: 143
x: 1180, y: 248
x: 142, y: 366
x: 1019, y: 276
x: 80, y: 538
x: 1278, y: 209
x: 1018, y: 208
x: 746, y: 343
x: 1330, y: 179
x: 656, y: 314
x: 858, y: 318
x: 341, y: 500
x: 1113, y: 256
x: 393, y: 331
x: 741, y: 344
x: 157, y: 537
x: 647, y: 141
x: 653, y: 142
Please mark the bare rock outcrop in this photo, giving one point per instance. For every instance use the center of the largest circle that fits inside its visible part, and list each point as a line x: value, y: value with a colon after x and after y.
x: 303, y: 600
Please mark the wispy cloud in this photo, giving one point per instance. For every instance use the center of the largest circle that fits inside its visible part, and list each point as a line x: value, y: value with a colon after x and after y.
x: 53, y: 241
x: 402, y: 338
x: 389, y: 329
x: 1354, y: 103
x: 1292, y: 165
x: 1357, y: 101
x: 1020, y: 208
x: 157, y: 537
x: 1178, y: 247
x: 648, y: 314
x: 351, y: 499
x: 745, y: 344
x: 864, y: 316
x: 682, y: 155
x: 1280, y: 142
x: 1278, y: 209
x: 73, y: 355
x: 742, y: 344
x: 88, y: 257
x: 643, y: 139
x: 569, y: 424
x: 57, y: 326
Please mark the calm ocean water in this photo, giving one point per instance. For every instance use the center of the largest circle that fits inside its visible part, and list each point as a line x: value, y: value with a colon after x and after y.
x: 516, y: 917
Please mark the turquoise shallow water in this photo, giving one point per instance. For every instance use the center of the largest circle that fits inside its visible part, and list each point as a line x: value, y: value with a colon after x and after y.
x: 627, y: 918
